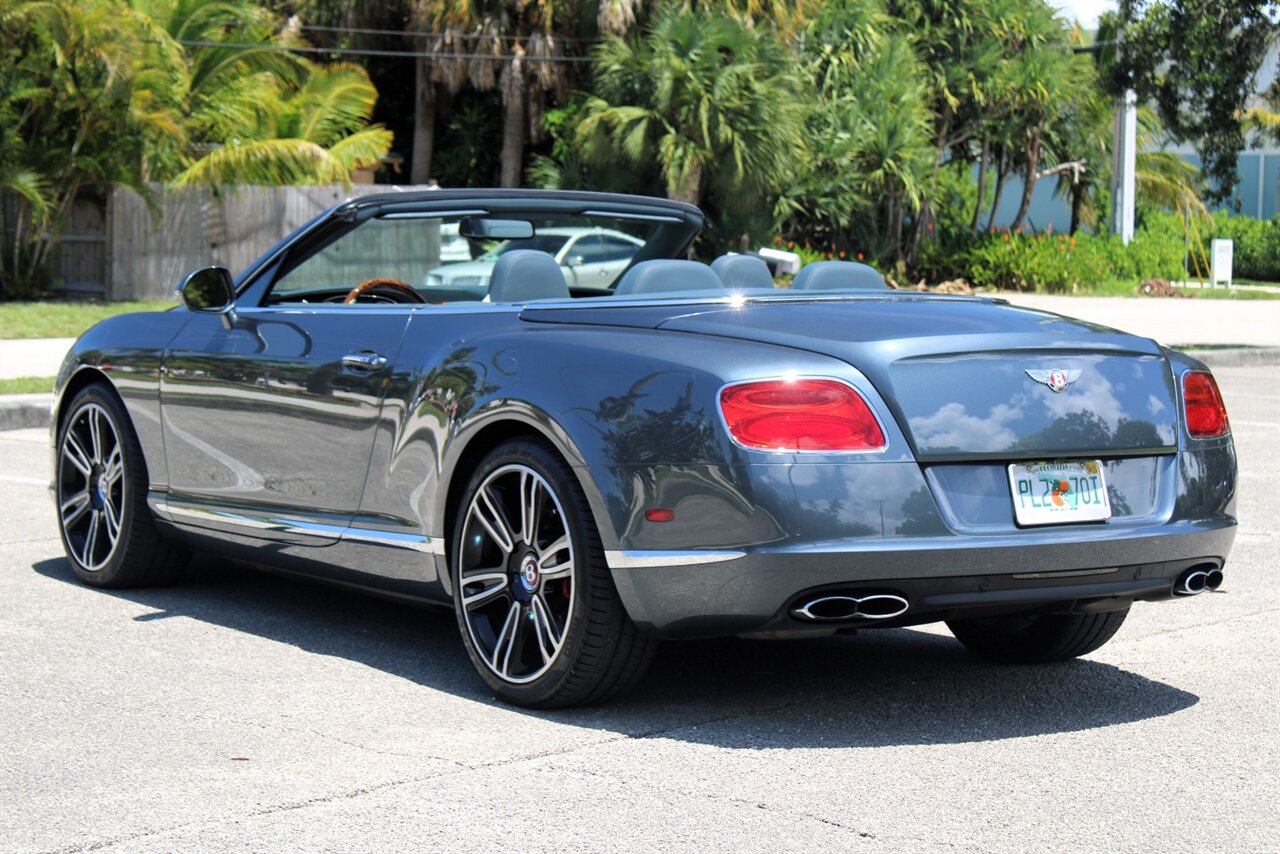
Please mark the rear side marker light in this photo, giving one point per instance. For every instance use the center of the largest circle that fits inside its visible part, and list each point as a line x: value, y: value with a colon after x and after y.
x: 800, y: 415
x: 660, y: 514
x: 1202, y: 406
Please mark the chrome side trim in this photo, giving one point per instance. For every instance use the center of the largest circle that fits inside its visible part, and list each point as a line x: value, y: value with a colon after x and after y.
x: 629, y: 559
x: 393, y: 539
x: 413, y: 542
x: 257, y: 523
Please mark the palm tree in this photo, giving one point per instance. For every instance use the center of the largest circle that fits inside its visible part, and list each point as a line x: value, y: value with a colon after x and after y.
x: 713, y: 102
x: 315, y: 134
x: 76, y: 111
x: 871, y: 133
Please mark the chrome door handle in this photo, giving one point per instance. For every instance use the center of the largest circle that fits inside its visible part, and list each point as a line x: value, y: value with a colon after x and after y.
x: 365, y: 360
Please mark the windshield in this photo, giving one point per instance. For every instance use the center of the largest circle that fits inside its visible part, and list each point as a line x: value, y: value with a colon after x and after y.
x: 443, y: 260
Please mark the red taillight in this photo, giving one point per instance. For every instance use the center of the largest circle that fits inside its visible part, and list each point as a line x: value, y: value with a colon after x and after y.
x: 800, y: 415
x: 1202, y: 404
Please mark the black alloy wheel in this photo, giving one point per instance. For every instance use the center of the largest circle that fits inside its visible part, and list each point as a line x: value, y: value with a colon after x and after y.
x: 101, y: 483
x: 535, y: 602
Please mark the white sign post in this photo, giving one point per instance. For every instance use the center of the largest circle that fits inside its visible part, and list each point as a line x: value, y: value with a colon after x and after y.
x: 1221, y: 264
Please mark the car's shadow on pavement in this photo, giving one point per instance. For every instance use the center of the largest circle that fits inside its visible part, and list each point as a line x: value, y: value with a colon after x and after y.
x: 878, y: 688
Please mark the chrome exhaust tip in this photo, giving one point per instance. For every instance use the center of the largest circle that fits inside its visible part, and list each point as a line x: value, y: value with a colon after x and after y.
x: 1213, y: 579
x: 1193, y: 581
x: 874, y: 606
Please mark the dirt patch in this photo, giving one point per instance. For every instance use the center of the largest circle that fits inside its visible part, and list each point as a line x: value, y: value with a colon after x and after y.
x: 1159, y: 288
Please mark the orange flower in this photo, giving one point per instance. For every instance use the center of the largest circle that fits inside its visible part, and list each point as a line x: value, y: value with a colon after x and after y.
x: 859, y: 256
x: 842, y: 255
x: 1006, y: 237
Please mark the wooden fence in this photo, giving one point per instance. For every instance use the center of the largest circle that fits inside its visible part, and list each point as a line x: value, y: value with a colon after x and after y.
x: 126, y: 250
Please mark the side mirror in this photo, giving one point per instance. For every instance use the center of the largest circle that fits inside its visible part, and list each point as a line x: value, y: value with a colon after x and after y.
x: 207, y: 289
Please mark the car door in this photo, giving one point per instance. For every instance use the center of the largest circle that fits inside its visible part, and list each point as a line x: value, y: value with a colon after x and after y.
x: 272, y: 421
x: 270, y: 411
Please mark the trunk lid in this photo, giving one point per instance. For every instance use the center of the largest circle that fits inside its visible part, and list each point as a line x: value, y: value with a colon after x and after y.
x: 957, y: 372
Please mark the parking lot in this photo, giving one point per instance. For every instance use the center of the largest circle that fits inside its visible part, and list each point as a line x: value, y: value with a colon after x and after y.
x: 246, y: 711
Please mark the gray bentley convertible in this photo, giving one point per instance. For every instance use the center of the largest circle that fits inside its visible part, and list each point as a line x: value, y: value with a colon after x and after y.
x: 674, y: 449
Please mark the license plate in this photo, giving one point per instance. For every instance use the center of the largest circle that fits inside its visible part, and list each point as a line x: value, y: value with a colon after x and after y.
x: 1059, y: 493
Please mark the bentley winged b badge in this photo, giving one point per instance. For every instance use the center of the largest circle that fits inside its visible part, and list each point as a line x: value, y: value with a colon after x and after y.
x: 1057, y: 380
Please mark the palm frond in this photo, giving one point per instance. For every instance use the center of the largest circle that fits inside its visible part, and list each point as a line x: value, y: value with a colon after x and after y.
x: 266, y: 161
x: 363, y: 149
x: 335, y: 100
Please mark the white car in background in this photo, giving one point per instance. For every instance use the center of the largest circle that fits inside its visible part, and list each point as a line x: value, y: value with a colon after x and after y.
x: 589, y: 257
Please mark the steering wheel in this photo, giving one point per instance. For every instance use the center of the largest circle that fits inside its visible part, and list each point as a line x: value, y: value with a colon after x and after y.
x: 371, y: 287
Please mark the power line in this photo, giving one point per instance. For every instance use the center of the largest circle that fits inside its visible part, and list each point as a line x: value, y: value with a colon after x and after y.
x: 370, y: 31
x: 373, y: 31
x: 407, y: 54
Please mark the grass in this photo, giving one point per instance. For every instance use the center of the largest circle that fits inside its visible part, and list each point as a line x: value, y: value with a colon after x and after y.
x: 1127, y: 288
x: 27, y: 385
x: 50, y: 319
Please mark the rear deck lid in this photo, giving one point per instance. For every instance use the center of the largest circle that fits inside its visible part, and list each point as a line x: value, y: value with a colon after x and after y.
x: 977, y: 378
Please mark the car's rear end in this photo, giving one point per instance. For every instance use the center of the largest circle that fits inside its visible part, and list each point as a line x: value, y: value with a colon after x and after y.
x: 948, y: 459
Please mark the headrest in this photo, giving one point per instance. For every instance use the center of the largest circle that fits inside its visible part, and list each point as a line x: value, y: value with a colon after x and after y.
x: 839, y: 276
x: 742, y: 271
x: 522, y: 275
x: 665, y: 276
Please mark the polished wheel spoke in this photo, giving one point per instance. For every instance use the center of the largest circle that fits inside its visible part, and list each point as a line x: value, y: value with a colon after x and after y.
x: 74, y: 507
x: 73, y: 451
x: 94, y: 419
x: 501, y: 661
x: 91, y: 539
x: 491, y: 584
x: 113, y: 468
x: 111, y: 519
x: 544, y: 626
x: 557, y: 560
x: 488, y: 514
x: 530, y: 497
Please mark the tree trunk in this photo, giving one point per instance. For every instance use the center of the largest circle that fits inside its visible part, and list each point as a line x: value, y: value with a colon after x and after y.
x: 691, y: 190
x: 943, y: 128
x: 514, y: 93
x: 1077, y: 199
x: 1002, y: 172
x: 424, y: 123
x: 983, y: 162
x: 1032, y: 175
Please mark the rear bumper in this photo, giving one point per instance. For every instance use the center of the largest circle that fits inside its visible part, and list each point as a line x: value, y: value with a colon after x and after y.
x: 708, y: 594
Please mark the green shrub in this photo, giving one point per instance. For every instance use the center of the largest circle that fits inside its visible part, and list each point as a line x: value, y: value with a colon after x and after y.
x: 1256, y: 253
x: 1059, y: 263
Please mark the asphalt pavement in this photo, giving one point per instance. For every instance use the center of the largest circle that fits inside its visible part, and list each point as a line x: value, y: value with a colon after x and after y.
x: 245, y: 712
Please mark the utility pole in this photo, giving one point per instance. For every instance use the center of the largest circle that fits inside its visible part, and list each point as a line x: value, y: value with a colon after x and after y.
x: 1125, y: 166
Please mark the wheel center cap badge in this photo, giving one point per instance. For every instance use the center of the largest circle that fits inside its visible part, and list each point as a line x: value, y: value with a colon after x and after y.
x: 1056, y: 380
x: 529, y: 573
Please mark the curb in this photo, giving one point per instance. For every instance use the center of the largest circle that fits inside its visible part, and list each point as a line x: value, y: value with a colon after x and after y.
x: 1235, y: 357
x: 24, y: 411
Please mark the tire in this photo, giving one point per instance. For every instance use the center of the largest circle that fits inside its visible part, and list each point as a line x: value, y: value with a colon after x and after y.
x: 535, y: 602
x: 1036, y: 638
x: 101, y: 485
